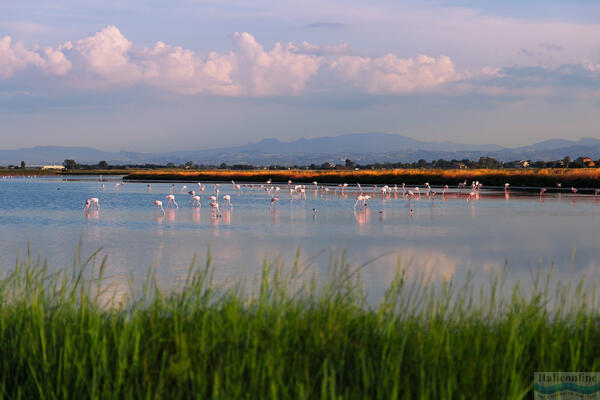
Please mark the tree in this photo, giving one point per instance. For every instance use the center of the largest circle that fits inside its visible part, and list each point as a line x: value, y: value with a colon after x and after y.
x: 69, y: 164
x: 22, y: 164
x: 350, y: 163
x: 103, y: 164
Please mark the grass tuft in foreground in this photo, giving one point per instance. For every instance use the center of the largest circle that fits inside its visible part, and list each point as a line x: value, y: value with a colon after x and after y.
x: 68, y: 335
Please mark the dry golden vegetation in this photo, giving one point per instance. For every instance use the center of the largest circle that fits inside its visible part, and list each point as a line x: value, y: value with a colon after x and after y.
x: 580, y: 177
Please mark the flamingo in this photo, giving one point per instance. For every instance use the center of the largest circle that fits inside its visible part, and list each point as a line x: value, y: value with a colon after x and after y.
x: 445, y: 190
x: 183, y: 188
x: 215, y: 207
x: 274, y: 200
x: 227, y: 198
x: 574, y: 190
x: 149, y: 188
x: 542, y: 191
x: 92, y: 203
x: 159, y: 204
x: 418, y: 192
x: 171, y: 201
x: 506, y: 185
x: 212, y: 198
x: 196, y: 201
x: 359, y: 199
x: 596, y: 193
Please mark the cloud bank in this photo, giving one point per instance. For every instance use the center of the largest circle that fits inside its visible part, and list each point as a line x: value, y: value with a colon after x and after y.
x: 109, y: 59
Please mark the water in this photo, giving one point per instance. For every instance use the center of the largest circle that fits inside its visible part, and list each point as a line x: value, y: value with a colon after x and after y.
x: 443, y: 238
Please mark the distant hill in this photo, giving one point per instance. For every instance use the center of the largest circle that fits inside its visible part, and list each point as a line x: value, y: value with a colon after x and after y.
x: 360, y: 147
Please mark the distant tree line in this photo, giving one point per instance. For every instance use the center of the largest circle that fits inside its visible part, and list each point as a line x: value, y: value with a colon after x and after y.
x: 483, y: 162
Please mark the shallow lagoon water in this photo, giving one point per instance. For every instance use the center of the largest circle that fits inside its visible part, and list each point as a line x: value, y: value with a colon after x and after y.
x: 444, y: 238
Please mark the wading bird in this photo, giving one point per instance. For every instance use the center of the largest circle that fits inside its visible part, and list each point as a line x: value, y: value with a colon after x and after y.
x: 227, y: 198
x: 159, y: 204
x: 215, y: 207
x: 171, y: 201
x: 196, y: 201
x: 91, y: 204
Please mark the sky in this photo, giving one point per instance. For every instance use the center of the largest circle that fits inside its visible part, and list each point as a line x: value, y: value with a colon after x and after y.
x: 146, y: 75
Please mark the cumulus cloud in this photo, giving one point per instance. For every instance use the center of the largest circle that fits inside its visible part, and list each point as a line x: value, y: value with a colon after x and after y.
x: 15, y: 57
x: 108, y: 58
x: 389, y: 74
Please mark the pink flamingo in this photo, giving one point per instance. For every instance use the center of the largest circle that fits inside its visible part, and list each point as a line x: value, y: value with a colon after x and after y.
x: 360, y: 199
x: 574, y: 190
x: 171, y: 201
x: 596, y: 193
x: 274, y: 200
x: 227, y: 198
x: 196, y: 201
x: 445, y: 190
x: 215, y: 207
x: 159, y: 204
x: 506, y: 185
x: 542, y: 191
x: 92, y: 203
x: 212, y: 198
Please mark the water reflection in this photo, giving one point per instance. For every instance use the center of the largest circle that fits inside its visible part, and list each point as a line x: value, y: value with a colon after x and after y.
x: 442, y: 238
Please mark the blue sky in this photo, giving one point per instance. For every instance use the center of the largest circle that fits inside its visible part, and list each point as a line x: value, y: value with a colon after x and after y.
x: 150, y: 75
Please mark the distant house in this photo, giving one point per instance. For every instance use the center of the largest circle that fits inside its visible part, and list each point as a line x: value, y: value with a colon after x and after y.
x: 53, y: 168
x: 585, y: 161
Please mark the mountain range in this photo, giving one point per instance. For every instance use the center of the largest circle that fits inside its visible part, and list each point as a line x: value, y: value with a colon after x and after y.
x: 362, y: 148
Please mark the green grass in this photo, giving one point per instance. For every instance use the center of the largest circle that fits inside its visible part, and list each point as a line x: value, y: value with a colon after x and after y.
x: 67, y: 335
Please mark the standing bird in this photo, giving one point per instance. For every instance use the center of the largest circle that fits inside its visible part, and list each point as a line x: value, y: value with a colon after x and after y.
x: 227, y: 198
x: 159, y: 204
x: 171, y: 201
x: 92, y: 203
x: 542, y: 191
x: 274, y: 200
x: 196, y: 201
x: 215, y: 207
x: 506, y: 185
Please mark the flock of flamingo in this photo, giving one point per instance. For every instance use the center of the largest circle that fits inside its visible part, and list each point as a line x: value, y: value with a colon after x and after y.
x: 363, y: 194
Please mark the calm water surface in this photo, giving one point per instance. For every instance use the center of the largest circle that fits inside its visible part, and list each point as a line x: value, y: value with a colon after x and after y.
x: 444, y: 237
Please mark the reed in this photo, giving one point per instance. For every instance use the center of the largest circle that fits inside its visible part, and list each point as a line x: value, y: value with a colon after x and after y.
x: 69, y: 335
x: 579, y: 177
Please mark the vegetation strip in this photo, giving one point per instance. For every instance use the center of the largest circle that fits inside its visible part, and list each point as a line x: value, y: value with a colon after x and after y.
x: 589, y: 178
x: 75, y: 335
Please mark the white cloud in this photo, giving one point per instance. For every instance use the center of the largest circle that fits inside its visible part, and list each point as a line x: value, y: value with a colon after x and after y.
x: 108, y: 58
x: 15, y: 57
x: 389, y: 74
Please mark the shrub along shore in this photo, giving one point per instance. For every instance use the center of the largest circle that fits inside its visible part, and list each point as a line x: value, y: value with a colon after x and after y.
x: 576, y: 177
x: 286, y: 335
